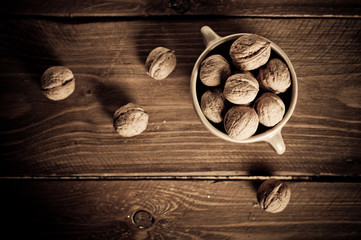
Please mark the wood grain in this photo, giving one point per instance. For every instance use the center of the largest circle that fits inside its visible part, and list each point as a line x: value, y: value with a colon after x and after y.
x: 182, y: 210
x: 136, y: 8
x: 66, y: 174
x: 76, y: 137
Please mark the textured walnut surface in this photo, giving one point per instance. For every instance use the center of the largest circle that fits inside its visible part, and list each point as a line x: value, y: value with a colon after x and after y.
x: 241, y: 88
x: 241, y: 122
x: 214, y: 70
x: 160, y: 63
x: 275, y: 76
x: 270, y: 109
x: 249, y: 52
x: 213, y: 105
x: 130, y: 120
x: 57, y: 82
x: 273, y: 195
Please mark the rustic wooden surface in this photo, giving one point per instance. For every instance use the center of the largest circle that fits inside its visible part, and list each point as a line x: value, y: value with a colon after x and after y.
x: 76, y: 136
x: 181, y: 210
x: 66, y: 174
x: 137, y: 8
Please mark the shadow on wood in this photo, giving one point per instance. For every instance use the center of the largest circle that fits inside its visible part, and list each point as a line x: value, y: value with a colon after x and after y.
x: 26, y: 46
x: 111, y: 97
x: 261, y: 169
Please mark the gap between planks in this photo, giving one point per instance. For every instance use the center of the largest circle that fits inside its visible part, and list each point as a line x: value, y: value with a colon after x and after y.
x: 105, y: 18
x: 199, y: 176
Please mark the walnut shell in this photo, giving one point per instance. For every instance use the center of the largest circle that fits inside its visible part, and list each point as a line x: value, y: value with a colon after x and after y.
x: 241, y: 122
x: 214, y: 70
x: 249, y: 52
x: 275, y: 76
x: 213, y: 105
x: 57, y: 83
x: 160, y: 63
x: 273, y: 195
x: 241, y: 88
x: 130, y: 120
x: 270, y: 109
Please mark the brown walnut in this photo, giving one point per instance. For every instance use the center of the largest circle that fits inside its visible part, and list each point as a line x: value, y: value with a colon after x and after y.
x: 273, y: 195
x: 270, y: 109
x: 241, y: 88
x: 214, y: 70
x: 213, y: 105
x: 241, y: 122
x: 249, y: 52
x: 130, y: 120
x: 275, y: 76
x: 160, y: 63
x: 57, y: 83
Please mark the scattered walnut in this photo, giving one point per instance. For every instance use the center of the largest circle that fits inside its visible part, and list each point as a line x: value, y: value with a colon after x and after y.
x: 160, y: 63
x: 270, y: 109
x: 213, y: 105
x: 241, y: 88
x: 214, y: 70
x: 130, y: 120
x: 241, y: 122
x: 273, y: 195
x: 275, y: 76
x: 57, y: 83
x: 249, y: 52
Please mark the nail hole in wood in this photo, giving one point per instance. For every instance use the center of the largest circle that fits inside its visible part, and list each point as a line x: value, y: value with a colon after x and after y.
x: 143, y: 219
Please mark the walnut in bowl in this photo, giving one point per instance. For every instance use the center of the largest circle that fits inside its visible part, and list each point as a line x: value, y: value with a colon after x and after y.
x: 213, y: 105
x: 241, y: 122
x: 275, y: 76
x: 221, y: 46
x: 250, y: 51
x: 214, y: 70
x: 270, y: 109
x: 241, y: 88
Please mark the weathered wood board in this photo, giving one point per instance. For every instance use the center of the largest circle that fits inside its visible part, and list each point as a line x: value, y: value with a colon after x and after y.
x: 181, y: 210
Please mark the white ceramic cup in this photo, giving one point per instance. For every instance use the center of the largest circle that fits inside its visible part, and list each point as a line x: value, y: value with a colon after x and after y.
x: 273, y: 135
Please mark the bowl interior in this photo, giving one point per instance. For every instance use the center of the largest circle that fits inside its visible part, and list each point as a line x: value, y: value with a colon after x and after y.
x: 198, y: 88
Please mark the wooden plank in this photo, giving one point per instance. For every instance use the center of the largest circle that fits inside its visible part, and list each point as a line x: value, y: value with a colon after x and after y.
x: 181, y: 210
x: 76, y: 137
x: 135, y: 8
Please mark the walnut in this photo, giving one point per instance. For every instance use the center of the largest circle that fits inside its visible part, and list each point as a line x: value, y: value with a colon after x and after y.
x: 214, y: 70
x: 57, y: 83
x: 241, y: 88
x: 273, y: 195
x: 249, y: 52
x: 213, y: 105
x: 241, y: 122
x: 130, y: 120
x: 270, y: 109
x: 160, y: 63
x: 275, y: 76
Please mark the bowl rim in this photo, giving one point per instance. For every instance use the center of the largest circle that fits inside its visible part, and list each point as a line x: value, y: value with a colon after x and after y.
x: 255, y: 138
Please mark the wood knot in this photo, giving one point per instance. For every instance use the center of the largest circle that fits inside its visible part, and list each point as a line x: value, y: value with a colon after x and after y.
x: 179, y: 6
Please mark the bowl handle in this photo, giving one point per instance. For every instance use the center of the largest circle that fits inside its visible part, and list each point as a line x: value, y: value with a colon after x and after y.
x: 276, y: 141
x: 209, y: 36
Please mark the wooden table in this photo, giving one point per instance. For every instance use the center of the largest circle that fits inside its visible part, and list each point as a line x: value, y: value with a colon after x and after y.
x: 66, y: 174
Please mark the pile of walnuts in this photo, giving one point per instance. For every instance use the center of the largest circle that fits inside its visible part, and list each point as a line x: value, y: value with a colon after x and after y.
x: 244, y: 93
